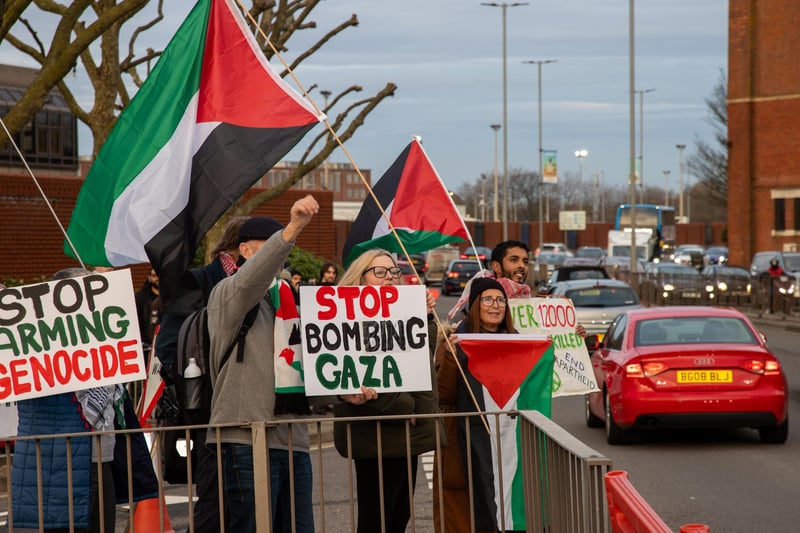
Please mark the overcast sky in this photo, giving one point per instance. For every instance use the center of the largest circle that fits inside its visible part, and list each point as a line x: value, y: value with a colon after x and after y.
x: 446, y: 58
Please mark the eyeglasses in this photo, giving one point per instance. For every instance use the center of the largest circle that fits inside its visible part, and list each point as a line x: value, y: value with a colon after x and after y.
x: 488, y: 301
x: 381, y: 272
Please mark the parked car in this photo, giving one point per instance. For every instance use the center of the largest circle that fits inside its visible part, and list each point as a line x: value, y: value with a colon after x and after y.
x: 558, y: 247
x: 437, y: 261
x: 618, y: 264
x: 730, y: 282
x: 597, y: 301
x: 479, y: 252
x: 689, y: 254
x: 408, y: 276
x: 591, y: 252
x: 672, y: 283
x: 573, y: 272
x: 458, y: 273
x: 546, y: 263
x: 666, y: 367
x: 715, y: 255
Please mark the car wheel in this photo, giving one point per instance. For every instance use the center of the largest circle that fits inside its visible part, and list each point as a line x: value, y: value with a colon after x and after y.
x: 614, y: 433
x: 444, y: 289
x: 775, y: 434
x: 592, y: 420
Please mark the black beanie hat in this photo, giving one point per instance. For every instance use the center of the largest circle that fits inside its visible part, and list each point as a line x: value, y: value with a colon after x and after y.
x: 258, y: 229
x: 479, y: 285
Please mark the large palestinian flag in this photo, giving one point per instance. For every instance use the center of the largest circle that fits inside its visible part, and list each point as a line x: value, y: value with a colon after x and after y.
x: 209, y: 121
x: 418, y: 205
x: 506, y: 373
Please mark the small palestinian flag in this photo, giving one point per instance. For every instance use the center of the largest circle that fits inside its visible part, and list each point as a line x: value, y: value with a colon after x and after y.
x: 506, y: 373
x: 288, y: 346
x: 418, y: 205
x: 209, y: 121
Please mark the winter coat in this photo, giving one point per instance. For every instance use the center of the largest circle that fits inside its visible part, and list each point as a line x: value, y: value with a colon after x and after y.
x: 60, y: 413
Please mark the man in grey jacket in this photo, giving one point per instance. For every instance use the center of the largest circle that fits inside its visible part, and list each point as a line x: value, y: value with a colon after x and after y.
x: 244, y: 390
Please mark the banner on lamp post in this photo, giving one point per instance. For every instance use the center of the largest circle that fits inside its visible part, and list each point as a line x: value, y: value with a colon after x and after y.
x: 549, y: 166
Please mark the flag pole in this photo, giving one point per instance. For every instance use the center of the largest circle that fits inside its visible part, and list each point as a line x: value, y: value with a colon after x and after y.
x: 391, y: 227
x: 41, y: 192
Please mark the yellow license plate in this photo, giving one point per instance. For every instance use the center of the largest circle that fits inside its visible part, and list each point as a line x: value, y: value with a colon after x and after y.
x: 705, y: 376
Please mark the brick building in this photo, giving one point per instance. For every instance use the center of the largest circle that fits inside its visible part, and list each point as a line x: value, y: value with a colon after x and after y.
x: 763, y: 117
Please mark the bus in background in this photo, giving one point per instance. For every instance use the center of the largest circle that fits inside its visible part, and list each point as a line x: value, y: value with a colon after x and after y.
x: 658, y: 218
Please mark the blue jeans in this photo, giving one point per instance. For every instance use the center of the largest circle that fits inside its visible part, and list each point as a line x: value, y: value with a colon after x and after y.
x: 237, y: 466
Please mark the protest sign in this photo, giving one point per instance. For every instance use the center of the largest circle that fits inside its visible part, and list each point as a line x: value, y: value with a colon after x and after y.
x: 372, y: 336
x: 68, y: 335
x: 572, y: 368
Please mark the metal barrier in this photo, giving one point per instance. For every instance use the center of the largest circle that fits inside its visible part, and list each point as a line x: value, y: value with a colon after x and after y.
x: 561, y: 478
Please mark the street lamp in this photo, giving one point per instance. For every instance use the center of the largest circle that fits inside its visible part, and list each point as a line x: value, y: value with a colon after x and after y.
x: 666, y: 186
x: 541, y: 176
x: 641, y: 94
x: 580, y: 154
x: 680, y: 148
x: 495, y: 127
x: 483, y: 197
x: 504, y: 7
x: 325, y: 94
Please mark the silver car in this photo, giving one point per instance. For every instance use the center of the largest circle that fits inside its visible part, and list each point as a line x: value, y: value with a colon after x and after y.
x: 597, y: 301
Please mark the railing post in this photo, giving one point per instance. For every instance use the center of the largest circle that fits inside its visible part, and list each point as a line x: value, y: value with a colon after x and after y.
x: 263, y: 498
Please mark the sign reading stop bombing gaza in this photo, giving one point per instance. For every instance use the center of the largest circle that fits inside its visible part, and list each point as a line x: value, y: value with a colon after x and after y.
x: 68, y: 335
x: 572, y: 368
x: 375, y: 336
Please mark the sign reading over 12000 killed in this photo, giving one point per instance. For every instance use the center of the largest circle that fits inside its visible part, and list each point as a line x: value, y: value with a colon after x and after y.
x: 374, y: 336
x: 68, y: 335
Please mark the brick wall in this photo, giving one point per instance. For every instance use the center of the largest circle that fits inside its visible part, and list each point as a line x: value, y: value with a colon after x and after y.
x: 763, y: 113
x: 31, y: 243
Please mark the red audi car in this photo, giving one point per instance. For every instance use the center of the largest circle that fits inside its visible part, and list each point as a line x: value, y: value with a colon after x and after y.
x: 667, y: 367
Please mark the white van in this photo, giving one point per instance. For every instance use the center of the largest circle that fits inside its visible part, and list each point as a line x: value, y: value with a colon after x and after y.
x: 437, y: 261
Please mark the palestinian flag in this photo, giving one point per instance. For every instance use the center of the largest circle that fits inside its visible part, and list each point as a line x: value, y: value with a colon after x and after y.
x: 210, y: 120
x: 506, y: 373
x: 417, y: 204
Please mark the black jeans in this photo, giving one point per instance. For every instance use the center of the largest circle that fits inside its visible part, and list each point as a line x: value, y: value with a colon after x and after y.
x: 396, y: 500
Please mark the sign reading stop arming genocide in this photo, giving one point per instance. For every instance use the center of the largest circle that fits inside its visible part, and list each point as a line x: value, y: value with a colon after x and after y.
x: 374, y: 336
x: 572, y: 369
x: 68, y: 335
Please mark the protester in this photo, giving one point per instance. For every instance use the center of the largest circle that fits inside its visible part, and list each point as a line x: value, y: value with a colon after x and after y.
x: 378, y: 267
x: 195, y: 288
x: 487, y: 312
x: 295, y: 281
x: 244, y: 388
x: 148, y: 307
x: 327, y: 274
x: 72, y: 412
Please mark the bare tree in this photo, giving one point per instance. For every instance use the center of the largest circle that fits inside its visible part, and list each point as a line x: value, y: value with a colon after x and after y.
x: 710, y: 161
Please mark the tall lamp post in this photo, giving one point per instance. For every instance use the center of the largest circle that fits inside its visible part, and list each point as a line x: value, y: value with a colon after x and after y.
x: 666, y: 186
x: 325, y: 94
x: 641, y: 94
x: 496, y: 211
x: 580, y: 154
x: 504, y: 7
x: 680, y: 148
x: 541, y: 176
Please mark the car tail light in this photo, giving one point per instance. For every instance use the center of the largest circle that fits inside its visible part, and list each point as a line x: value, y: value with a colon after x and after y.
x: 452, y: 274
x: 413, y: 280
x: 462, y: 256
x: 759, y: 366
x: 634, y: 370
x: 654, y: 368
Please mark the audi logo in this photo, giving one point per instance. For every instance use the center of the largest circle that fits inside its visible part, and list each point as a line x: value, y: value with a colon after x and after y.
x: 703, y: 361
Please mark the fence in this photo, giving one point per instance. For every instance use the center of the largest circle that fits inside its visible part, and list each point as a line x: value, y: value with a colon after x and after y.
x: 562, y: 478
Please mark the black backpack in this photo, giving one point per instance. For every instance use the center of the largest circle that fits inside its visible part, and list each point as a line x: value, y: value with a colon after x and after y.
x: 194, y: 394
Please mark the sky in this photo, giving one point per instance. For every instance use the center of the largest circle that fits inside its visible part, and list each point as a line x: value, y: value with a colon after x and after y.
x: 445, y: 56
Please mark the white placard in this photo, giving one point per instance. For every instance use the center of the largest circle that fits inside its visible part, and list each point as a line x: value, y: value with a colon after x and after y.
x: 555, y: 317
x: 375, y: 336
x: 68, y: 335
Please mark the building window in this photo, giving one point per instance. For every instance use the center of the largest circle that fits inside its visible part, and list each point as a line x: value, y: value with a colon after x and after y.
x: 780, y: 214
x: 796, y: 213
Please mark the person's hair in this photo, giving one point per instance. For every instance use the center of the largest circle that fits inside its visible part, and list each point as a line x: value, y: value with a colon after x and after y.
x: 294, y: 271
x: 474, y: 318
x: 499, y: 251
x: 325, y: 267
x: 230, y: 237
x: 72, y: 272
x: 354, y: 273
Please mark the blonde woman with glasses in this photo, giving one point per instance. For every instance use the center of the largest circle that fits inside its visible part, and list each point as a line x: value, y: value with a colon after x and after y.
x: 378, y: 267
